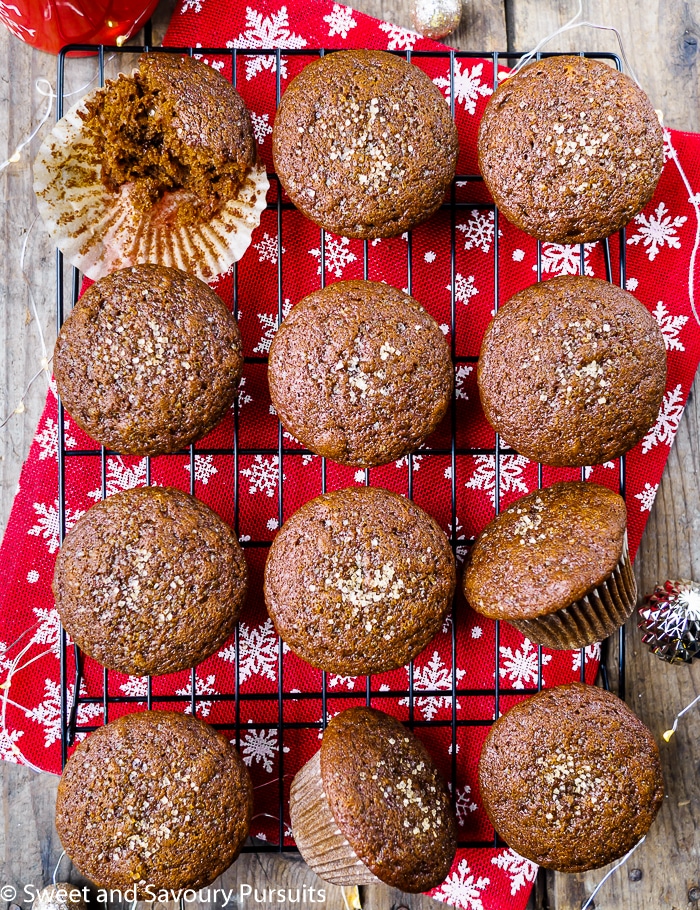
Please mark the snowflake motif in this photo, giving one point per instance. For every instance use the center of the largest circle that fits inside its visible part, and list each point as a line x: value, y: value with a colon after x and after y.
x: 48, y: 713
x: 32, y: 576
x: 669, y: 151
x: 464, y: 288
x: 217, y: 65
x: 521, y: 871
x: 263, y: 474
x: 403, y: 461
x: 518, y: 255
x: 347, y: 681
x: 15, y: 28
x: 429, y: 256
x: 670, y: 327
x: 464, y: 805
x: 242, y: 396
x: 47, y: 438
x: 204, y: 468
x: 460, y: 550
x: 463, y: 370
x: 647, y: 496
x: 359, y: 476
x: 462, y: 889
x: 8, y: 738
x: 656, y: 231
x: 202, y: 687
x: 261, y: 127
x: 478, y: 230
x: 136, y: 686
x: 400, y: 39
x: 194, y: 5
x: 468, y: 85
x: 631, y: 284
x: 511, y: 475
x: 565, y: 259
x: 266, y: 32
x: 434, y: 675
x: 257, y: 651
x: 121, y: 477
x: 259, y: 746
x: 592, y: 653
x: 267, y: 249
x: 588, y: 470
x: 339, y: 21
x: 338, y: 256
x: 666, y: 426
x: 272, y: 524
x: 477, y: 632
x: 47, y: 525
x: 270, y: 323
x: 49, y: 629
x: 521, y: 664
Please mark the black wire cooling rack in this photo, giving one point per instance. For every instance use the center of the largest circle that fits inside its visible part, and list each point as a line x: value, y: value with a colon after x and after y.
x: 70, y: 725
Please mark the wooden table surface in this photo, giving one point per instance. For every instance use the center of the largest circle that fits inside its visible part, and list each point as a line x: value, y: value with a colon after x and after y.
x: 661, y: 40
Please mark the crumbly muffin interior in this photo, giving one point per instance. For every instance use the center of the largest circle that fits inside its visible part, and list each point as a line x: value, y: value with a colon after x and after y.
x: 135, y: 125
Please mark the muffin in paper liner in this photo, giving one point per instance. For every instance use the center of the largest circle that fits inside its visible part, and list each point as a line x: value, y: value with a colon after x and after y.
x: 555, y: 565
x: 591, y: 618
x: 100, y: 230
x: 370, y: 806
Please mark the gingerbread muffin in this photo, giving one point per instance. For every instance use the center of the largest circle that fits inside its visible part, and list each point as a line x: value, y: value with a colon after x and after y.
x: 555, y: 565
x: 360, y: 373
x: 364, y: 144
x: 150, y: 581
x: 370, y: 806
x: 359, y: 581
x: 154, y: 799
x: 570, y: 149
x: 148, y: 361
x: 571, y: 778
x: 572, y: 371
x: 174, y: 125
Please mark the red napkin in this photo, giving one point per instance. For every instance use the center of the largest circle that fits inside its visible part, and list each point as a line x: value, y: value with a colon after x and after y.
x: 661, y: 247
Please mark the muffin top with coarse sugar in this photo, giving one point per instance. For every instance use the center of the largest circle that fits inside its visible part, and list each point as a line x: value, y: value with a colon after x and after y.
x: 388, y: 799
x: 359, y: 581
x: 150, y: 581
x: 570, y: 148
x: 360, y: 373
x: 546, y: 551
x: 364, y: 144
x: 572, y: 371
x: 571, y: 778
x: 154, y: 798
x: 149, y: 360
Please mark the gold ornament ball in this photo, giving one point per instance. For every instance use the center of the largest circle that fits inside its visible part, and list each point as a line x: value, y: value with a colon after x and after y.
x: 61, y: 896
x: 436, y: 18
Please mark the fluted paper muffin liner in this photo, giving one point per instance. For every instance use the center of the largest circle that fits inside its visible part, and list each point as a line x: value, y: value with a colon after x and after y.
x: 100, y: 231
x: 590, y: 619
x: 319, y: 839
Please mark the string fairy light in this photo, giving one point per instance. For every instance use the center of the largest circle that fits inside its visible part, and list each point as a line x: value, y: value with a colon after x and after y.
x: 669, y: 733
x: 589, y: 901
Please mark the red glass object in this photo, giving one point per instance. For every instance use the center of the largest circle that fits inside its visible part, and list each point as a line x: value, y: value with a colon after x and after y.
x: 51, y: 24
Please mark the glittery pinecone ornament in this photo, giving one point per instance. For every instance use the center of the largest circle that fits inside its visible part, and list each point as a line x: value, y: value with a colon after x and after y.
x: 670, y: 621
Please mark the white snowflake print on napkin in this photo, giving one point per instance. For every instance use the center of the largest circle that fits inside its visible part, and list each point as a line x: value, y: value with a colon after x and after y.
x: 464, y: 288
x: 520, y: 871
x: 434, y: 675
x: 340, y: 21
x: 461, y: 373
x: 204, y: 468
x: 592, y: 652
x: 195, y: 6
x: 511, y: 475
x: 400, y: 39
x: 258, y: 647
x: 263, y: 475
x: 266, y: 32
x: 9, y: 751
x: 119, y: 476
x: 478, y: 230
x: 657, y: 230
x: 47, y: 439
x: 565, y: 259
x: 202, y: 687
x: 464, y: 804
x: 270, y: 322
x: 462, y: 888
x: 48, y: 712
x: 666, y: 426
x: 520, y: 664
x: 47, y: 525
x: 337, y: 255
x: 267, y: 249
x: 647, y: 496
x: 261, y: 126
x: 467, y: 85
x: 259, y: 747
x: 670, y: 327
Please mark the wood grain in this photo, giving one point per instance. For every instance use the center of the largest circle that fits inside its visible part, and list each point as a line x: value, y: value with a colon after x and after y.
x: 661, y: 38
